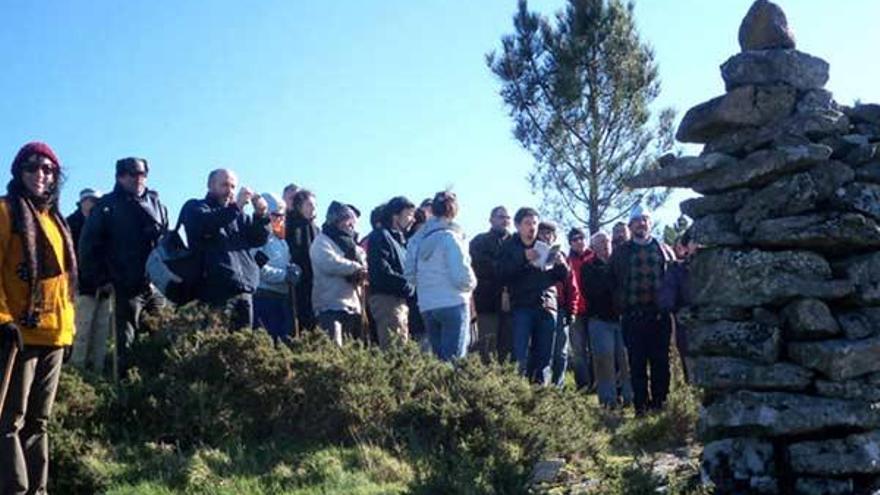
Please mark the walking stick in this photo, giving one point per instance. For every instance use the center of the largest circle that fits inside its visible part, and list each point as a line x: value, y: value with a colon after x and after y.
x: 115, y: 367
x: 7, y: 376
x: 292, y: 291
x: 365, y: 322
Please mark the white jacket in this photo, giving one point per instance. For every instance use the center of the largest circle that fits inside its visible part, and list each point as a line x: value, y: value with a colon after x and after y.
x: 273, y: 275
x: 439, y: 266
x: 330, y: 289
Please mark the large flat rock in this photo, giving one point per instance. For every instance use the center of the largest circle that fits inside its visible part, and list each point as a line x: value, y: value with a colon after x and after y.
x: 790, y: 67
x: 747, y: 278
x: 855, y: 454
x: 839, y: 359
x: 725, y: 373
x: 746, y: 106
x: 837, y: 233
x: 749, y: 340
x: 746, y: 413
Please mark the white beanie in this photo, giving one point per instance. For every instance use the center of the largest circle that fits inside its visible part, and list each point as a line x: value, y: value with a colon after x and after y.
x: 638, y: 211
x: 276, y: 205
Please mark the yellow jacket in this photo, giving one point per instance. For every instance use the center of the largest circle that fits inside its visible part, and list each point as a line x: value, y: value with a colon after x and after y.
x: 55, y: 327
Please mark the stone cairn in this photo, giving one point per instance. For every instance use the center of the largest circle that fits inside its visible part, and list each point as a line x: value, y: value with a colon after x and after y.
x: 785, y: 324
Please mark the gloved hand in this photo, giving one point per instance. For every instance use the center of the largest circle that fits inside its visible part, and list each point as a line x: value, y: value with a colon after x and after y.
x: 10, y: 336
x: 294, y: 273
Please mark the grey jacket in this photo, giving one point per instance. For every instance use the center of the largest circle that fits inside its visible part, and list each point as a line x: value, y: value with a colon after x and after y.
x: 331, y: 289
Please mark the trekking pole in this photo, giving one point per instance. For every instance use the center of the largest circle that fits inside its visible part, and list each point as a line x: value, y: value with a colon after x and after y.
x: 7, y: 376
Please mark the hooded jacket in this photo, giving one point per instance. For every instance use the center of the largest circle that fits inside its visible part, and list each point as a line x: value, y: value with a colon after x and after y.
x: 439, y: 266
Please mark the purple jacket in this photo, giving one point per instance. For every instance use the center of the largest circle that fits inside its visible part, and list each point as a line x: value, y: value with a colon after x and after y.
x: 674, y: 292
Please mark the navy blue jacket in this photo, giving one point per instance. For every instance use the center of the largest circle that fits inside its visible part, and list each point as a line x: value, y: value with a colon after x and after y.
x: 385, y: 258
x: 223, y: 236
x: 529, y: 286
x: 117, y: 238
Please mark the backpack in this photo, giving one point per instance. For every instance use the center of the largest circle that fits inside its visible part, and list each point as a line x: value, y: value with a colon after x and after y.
x: 175, y: 268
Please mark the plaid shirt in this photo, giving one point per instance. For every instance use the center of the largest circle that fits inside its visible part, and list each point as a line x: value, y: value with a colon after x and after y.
x: 645, y: 275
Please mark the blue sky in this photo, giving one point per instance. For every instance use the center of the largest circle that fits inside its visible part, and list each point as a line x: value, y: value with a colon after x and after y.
x: 358, y: 100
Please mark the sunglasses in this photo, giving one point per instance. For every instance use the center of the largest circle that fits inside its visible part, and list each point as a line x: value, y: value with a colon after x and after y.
x: 136, y: 173
x: 33, y: 167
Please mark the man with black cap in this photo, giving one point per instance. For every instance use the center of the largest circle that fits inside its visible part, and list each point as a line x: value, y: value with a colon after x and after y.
x: 221, y: 233
x: 389, y: 289
x: 118, y: 236
x: 92, y: 305
x: 340, y: 269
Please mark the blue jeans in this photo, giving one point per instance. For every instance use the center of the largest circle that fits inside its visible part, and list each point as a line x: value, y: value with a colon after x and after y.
x: 272, y: 312
x: 448, y: 331
x: 560, y: 350
x: 581, y: 356
x: 533, y: 331
x: 611, y: 364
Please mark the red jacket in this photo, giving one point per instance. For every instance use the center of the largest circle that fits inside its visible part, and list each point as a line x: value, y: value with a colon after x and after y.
x: 576, y: 262
x: 568, y: 293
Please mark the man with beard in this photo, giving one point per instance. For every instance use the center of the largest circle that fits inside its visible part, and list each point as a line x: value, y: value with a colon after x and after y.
x: 639, y: 266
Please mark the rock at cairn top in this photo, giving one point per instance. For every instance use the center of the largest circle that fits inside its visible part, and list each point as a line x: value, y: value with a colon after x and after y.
x: 765, y: 28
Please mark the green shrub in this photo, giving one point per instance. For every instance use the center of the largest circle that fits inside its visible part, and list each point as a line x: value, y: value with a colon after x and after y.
x: 78, y: 459
x: 399, y: 417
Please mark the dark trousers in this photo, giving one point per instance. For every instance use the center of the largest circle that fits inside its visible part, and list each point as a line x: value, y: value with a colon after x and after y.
x: 646, y: 335
x: 272, y: 312
x: 240, y: 309
x: 129, y: 310
x: 24, y: 421
x: 305, y: 313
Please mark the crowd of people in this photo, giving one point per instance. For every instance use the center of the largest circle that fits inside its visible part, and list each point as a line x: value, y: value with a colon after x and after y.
x: 606, y: 309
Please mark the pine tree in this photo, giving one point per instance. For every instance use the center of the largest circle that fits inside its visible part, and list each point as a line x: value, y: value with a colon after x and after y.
x: 578, y: 91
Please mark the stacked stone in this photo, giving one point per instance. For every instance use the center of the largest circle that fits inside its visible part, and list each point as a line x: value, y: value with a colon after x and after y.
x: 785, y: 327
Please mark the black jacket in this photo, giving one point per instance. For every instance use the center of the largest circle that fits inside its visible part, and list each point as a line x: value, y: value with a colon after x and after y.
x: 598, y: 286
x: 223, y: 236
x: 76, y: 221
x: 117, y: 238
x: 485, y: 251
x: 529, y: 286
x: 386, y: 253
x: 300, y: 232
